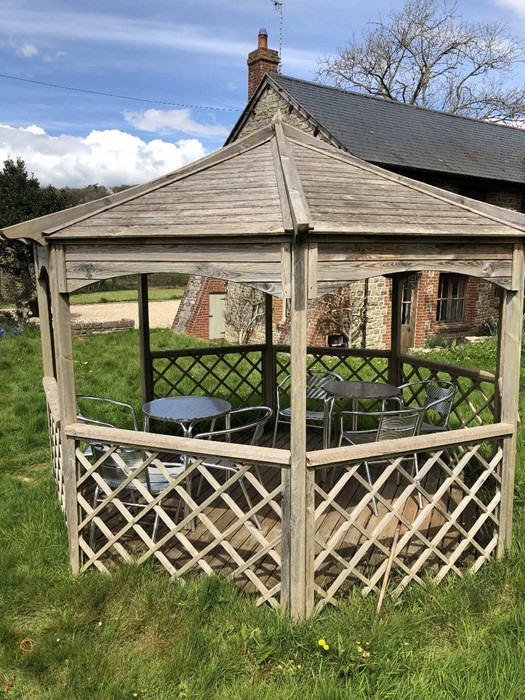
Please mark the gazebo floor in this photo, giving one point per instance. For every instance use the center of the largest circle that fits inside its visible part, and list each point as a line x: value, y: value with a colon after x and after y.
x: 219, y: 542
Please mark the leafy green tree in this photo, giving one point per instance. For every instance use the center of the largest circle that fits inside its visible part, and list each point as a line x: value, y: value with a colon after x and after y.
x: 22, y: 198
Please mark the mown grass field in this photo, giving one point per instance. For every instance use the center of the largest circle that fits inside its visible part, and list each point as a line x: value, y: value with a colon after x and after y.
x: 136, y: 634
x: 106, y: 297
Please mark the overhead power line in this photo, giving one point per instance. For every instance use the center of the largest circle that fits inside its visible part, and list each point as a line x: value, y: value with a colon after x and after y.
x: 120, y: 97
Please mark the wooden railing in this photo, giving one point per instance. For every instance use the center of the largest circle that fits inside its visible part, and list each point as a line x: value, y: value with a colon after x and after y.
x: 449, y: 511
x: 235, y: 373
x: 203, y: 522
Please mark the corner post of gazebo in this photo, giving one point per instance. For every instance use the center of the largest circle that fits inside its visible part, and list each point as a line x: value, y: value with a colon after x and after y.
x: 146, y: 364
x: 509, y: 356
x: 268, y: 360
x: 296, y: 589
x: 65, y: 377
x: 394, y: 366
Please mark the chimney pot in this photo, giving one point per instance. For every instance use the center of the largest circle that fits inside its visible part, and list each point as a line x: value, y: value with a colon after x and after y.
x: 263, y: 39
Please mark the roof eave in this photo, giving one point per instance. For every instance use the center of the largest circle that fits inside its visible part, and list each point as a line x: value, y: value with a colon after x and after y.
x: 38, y: 229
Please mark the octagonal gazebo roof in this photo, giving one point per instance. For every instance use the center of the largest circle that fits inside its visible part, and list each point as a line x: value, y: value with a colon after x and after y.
x: 269, y: 184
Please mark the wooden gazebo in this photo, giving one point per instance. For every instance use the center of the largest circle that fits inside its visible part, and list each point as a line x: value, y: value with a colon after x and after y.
x: 292, y: 216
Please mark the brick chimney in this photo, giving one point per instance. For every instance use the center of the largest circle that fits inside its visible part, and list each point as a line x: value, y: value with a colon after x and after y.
x: 260, y: 62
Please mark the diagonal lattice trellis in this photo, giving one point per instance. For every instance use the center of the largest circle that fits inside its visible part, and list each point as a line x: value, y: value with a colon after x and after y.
x: 56, y: 455
x: 371, y: 365
x: 231, y: 374
x: 474, y: 403
x: 205, y: 519
x: 454, y: 528
x: 55, y: 444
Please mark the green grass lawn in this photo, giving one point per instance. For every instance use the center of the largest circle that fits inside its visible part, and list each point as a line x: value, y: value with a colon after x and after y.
x: 155, y: 294
x: 136, y: 634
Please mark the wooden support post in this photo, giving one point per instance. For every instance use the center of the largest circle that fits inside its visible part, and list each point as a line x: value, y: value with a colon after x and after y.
x: 394, y: 366
x: 146, y: 363
x: 268, y: 359
x: 66, y: 395
x: 296, y: 528
x: 509, y: 354
x: 44, y: 310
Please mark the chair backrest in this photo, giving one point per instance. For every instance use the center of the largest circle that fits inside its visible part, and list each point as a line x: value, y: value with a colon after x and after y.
x: 399, y: 424
x: 436, y: 395
x: 316, y: 380
x: 103, y: 409
x: 439, y: 398
x: 248, y: 426
x: 120, y: 464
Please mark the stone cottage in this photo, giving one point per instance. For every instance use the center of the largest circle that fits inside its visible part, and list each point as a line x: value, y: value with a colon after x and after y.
x: 476, y: 159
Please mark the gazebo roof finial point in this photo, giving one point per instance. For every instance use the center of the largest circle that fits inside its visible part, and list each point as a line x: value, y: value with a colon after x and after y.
x: 277, y: 117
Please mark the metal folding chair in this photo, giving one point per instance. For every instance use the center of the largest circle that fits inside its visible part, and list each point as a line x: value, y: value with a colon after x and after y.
x: 389, y: 425
x: 316, y: 396
x: 247, y: 427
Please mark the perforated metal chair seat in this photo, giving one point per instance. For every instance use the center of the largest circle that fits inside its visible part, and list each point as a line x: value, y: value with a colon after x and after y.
x: 360, y: 437
x: 316, y: 416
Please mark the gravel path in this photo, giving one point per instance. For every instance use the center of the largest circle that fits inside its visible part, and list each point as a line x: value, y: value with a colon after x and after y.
x: 161, y: 313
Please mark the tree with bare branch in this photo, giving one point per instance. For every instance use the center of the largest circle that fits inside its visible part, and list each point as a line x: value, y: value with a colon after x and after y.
x: 341, y: 312
x: 426, y: 54
x: 244, y: 311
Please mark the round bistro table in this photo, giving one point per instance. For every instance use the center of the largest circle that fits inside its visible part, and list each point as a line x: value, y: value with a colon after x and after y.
x: 356, y: 391
x: 184, y: 410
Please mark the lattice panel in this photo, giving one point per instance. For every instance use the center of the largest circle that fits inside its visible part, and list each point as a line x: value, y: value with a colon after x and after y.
x: 205, y: 520
x: 234, y: 376
x: 56, y: 454
x: 474, y: 403
x: 455, y: 528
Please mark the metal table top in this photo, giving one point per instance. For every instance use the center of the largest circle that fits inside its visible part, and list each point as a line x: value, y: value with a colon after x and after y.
x: 362, y: 390
x: 186, y: 409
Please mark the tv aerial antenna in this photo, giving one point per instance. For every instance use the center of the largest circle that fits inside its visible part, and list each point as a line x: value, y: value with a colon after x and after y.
x: 279, y: 4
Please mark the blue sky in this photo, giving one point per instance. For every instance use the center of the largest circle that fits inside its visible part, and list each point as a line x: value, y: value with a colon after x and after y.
x: 188, y: 52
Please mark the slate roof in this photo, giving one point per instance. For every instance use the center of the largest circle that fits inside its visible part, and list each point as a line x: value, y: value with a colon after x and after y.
x: 399, y: 135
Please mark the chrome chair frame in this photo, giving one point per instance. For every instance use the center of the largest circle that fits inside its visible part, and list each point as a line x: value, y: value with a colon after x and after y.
x: 226, y: 465
x: 393, y: 424
x: 315, y: 380
x: 118, y: 466
x: 438, y: 398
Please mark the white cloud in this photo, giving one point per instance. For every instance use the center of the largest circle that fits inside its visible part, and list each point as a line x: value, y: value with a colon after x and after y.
x: 516, y: 5
x: 119, y: 29
x: 167, y: 121
x: 109, y: 157
x: 27, y: 50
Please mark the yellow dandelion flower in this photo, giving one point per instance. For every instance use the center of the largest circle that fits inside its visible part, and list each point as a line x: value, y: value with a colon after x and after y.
x: 321, y: 642
x: 326, y: 647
